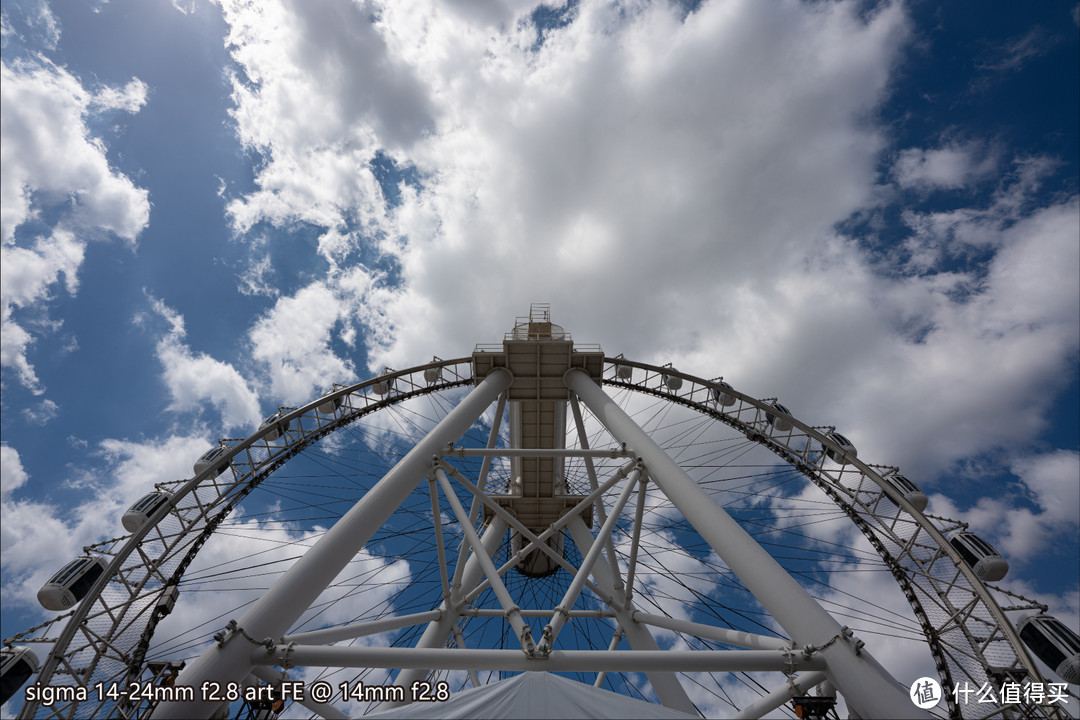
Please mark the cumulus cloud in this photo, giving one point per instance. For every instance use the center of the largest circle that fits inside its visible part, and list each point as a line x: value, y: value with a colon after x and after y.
x: 671, y: 184
x: 27, y: 276
x: 622, y: 154
x: 12, y: 474
x: 292, y: 341
x: 39, y: 537
x: 1052, y: 478
x: 1021, y: 533
x: 195, y: 379
x: 52, y: 162
x: 316, y: 88
x: 50, y: 153
x: 952, y: 166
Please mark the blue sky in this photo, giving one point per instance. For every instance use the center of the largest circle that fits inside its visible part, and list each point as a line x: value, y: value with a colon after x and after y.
x: 868, y: 210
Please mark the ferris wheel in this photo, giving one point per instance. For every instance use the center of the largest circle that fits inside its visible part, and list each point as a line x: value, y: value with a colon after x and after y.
x: 590, y: 534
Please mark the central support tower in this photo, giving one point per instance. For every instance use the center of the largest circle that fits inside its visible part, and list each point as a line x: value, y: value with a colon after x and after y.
x: 538, y: 353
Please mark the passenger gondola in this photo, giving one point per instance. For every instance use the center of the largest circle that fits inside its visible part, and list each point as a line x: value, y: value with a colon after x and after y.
x: 846, y: 452
x: 71, y: 584
x: 987, y: 562
x: 18, y: 664
x: 907, y: 490
x: 1053, y: 643
x: 274, y: 426
x: 212, y: 458
x: 721, y: 396
x: 141, y: 511
x: 775, y: 421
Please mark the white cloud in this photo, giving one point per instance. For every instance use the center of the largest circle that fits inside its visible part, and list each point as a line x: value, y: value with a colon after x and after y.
x: 129, y: 98
x: 49, y: 152
x: 671, y: 185
x: 622, y: 155
x: 195, y: 379
x: 1020, y: 533
x: 920, y: 371
x: 45, y: 411
x: 292, y: 342
x: 39, y: 24
x: 26, y: 279
x: 51, y: 162
x: 256, y: 279
x: 628, y: 126
x: 955, y: 165
x: 136, y: 466
x: 12, y: 474
x: 1054, y: 479
x: 317, y: 86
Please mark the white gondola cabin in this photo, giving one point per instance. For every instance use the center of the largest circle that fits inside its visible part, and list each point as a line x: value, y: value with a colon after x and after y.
x: 273, y: 426
x: 671, y: 381
x: 907, y: 490
x: 66, y: 588
x: 775, y: 421
x: 328, y: 405
x: 987, y: 562
x: 623, y: 372
x: 137, y: 515
x: 846, y: 451
x: 433, y: 375
x: 18, y: 664
x: 721, y: 395
x: 1053, y: 643
x: 384, y: 384
x: 212, y: 458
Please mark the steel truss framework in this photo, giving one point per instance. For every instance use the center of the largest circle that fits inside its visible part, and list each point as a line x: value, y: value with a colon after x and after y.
x: 962, y: 621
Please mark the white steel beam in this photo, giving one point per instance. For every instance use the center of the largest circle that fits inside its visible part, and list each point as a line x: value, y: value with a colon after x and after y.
x: 336, y: 656
x: 616, y: 637
x: 537, y: 613
x: 727, y: 636
x: 538, y: 541
x: 513, y: 612
x: 372, y: 627
x: 590, y: 468
x: 635, y: 539
x: 536, y: 452
x: 436, y: 521
x: 562, y: 610
x: 436, y: 634
x: 869, y: 689
x: 279, y: 607
x: 794, y: 687
x: 663, y: 680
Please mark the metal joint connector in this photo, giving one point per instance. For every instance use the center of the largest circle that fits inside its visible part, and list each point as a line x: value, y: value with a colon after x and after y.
x: 224, y: 636
x: 285, y: 664
x: 791, y: 662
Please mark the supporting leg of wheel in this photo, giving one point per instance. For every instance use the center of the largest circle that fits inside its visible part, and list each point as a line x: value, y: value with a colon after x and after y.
x: 869, y: 689
x: 279, y: 607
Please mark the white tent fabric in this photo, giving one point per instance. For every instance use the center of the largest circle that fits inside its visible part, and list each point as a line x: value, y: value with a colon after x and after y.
x: 534, y: 695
